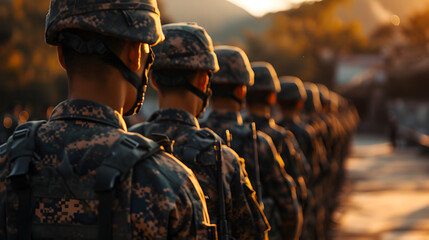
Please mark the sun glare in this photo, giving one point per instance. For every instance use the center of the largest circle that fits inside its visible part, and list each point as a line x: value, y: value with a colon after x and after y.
x: 395, y: 20
x: 259, y: 8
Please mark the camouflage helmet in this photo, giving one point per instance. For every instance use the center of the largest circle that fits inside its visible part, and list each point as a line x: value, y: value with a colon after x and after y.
x: 137, y: 20
x: 292, y: 89
x: 333, y: 101
x: 312, y: 103
x: 324, y: 95
x: 234, y: 67
x: 187, y: 46
x: 265, y: 78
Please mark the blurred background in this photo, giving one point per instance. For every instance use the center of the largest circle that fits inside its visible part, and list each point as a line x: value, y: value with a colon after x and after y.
x: 374, y: 52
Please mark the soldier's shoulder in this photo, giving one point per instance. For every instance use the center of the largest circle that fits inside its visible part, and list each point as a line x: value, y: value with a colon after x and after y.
x: 240, y: 130
x: 309, y: 130
x: 230, y: 154
x: 206, y: 133
x: 159, y: 163
x: 264, y: 138
x: 3, y: 152
x: 3, y: 149
x: 139, y: 127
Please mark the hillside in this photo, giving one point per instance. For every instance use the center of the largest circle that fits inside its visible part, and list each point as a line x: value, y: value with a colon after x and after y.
x: 223, y: 20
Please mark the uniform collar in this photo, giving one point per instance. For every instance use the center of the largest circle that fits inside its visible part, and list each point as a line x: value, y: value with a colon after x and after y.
x: 175, y: 115
x: 85, y: 110
x: 227, y: 116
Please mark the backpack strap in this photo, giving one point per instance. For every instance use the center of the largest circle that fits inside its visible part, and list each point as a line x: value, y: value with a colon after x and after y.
x: 21, y: 153
x: 125, y: 153
x: 198, y: 142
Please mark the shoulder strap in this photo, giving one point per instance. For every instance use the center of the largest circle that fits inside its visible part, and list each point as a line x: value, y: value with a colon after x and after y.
x: 21, y: 152
x: 199, y: 141
x: 125, y: 153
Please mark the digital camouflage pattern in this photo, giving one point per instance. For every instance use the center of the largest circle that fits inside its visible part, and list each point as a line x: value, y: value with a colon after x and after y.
x: 266, y: 79
x: 137, y: 20
x: 324, y: 95
x: 311, y: 116
x: 235, y: 67
x: 243, y: 212
x: 166, y: 201
x: 277, y: 186
x: 295, y: 163
x: 186, y: 46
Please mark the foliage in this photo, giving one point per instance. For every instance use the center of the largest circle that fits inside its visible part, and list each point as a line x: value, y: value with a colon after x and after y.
x: 417, y: 28
x: 306, y: 41
x: 30, y: 74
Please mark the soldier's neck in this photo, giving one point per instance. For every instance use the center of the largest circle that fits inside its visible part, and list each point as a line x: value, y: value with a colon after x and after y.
x: 186, y: 102
x: 225, y: 104
x: 106, y: 91
x: 290, y: 114
x: 260, y: 110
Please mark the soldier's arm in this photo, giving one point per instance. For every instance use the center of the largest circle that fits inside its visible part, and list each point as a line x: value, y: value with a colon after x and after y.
x: 167, y: 201
x: 3, y: 174
x: 280, y: 186
x: 247, y: 220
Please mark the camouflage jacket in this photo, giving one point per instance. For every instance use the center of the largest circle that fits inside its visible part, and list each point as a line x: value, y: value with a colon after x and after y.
x: 166, y: 200
x: 276, y: 184
x: 305, y: 135
x: 242, y: 210
x: 295, y: 162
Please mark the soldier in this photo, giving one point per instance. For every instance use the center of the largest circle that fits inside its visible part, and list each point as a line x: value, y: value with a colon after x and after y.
x: 181, y: 73
x: 291, y: 100
x: 89, y: 177
x: 263, y: 164
x: 260, y: 99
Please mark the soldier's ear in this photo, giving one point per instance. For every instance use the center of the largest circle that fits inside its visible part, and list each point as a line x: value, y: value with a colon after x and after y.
x: 202, y: 80
x: 300, y: 104
x: 133, y: 54
x: 240, y: 91
x: 61, y: 57
x: 153, y: 82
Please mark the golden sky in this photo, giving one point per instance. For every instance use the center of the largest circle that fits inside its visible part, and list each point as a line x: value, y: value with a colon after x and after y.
x: 259, y: 8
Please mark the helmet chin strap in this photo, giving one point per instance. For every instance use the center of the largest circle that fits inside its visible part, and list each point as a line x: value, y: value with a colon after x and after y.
x: 101, y: 49
x: 205, y: 96
x: 229, y: 93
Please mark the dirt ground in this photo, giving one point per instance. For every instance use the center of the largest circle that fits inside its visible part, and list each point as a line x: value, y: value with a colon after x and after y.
x: 386, y: 196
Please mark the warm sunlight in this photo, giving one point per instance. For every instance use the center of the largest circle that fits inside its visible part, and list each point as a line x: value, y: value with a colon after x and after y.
x: 259, y: 8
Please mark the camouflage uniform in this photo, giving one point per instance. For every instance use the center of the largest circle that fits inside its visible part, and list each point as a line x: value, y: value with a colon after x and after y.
x: 292, y: 89
x: 278, y: 188
x: 267, y: 84
x: 188, y: 47
x: 156, y: 198
x: 276, y: 184
x: 322, y: 139
x: 241, y: 206
x: 166, y: 201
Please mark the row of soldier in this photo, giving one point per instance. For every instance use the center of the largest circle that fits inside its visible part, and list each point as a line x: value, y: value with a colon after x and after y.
x: 83, y: 175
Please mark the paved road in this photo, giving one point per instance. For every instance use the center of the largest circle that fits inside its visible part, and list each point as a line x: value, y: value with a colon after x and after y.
x: 386, y: 196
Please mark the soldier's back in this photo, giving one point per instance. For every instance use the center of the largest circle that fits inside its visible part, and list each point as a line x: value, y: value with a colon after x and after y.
x: 76, y: 141
x: 277, y: 187
x: 195, y: 148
